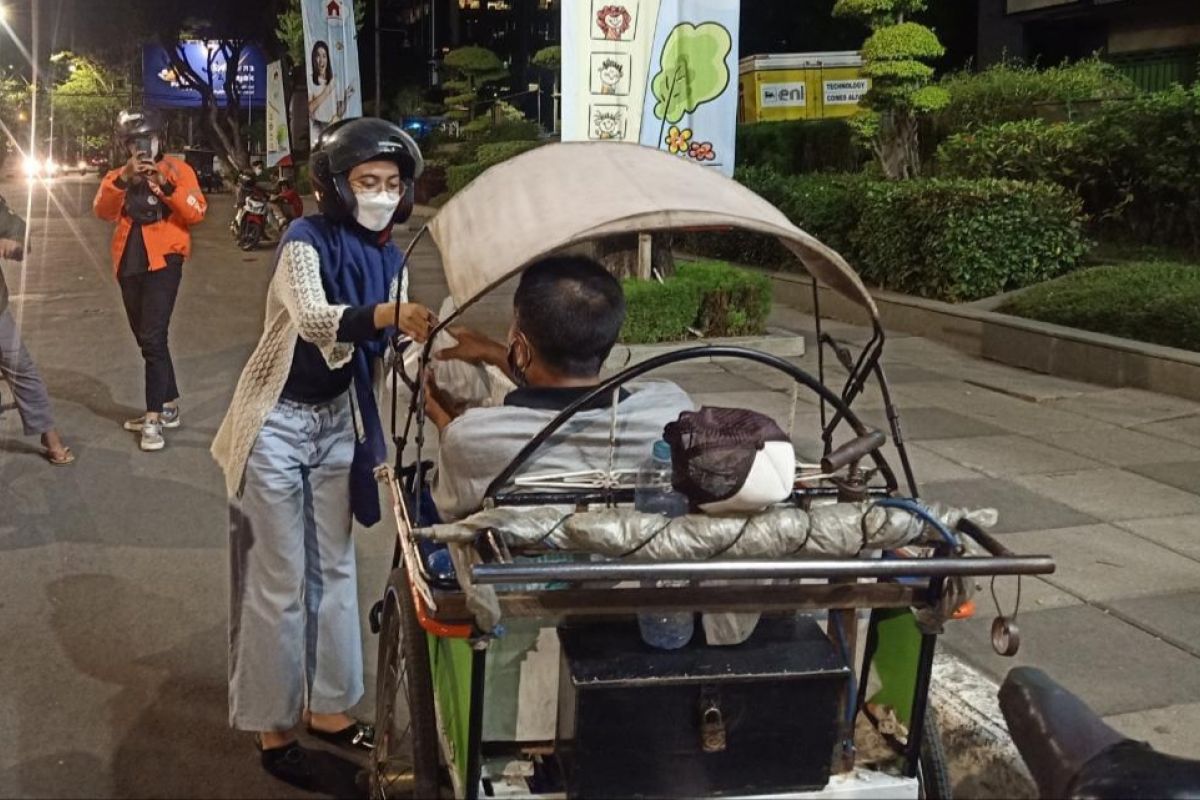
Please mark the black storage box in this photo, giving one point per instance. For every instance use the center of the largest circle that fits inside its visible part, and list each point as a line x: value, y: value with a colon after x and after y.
x: 631, y: 718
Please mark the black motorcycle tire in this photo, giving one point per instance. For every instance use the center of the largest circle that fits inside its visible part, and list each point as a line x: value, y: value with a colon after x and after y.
x: 252, y: 233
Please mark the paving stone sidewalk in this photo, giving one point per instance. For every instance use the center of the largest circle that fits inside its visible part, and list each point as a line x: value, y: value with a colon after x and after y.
x: 1107, y: 481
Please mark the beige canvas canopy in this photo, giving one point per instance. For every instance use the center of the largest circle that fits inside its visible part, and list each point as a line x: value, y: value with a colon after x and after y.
x: 569, y: 193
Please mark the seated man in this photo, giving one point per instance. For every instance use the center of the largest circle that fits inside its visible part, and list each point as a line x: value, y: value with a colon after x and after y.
x: 567, y: 315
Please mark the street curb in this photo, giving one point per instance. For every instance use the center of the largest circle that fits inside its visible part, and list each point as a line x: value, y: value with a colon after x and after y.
x: 983, y: 761
x: 776, y: 342
x: 1028, y: 344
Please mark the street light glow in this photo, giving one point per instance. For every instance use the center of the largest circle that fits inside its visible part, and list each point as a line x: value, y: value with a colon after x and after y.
x: 3, y: 13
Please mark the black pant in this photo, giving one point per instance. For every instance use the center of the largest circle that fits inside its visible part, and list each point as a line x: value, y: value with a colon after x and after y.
x: 149, y: 300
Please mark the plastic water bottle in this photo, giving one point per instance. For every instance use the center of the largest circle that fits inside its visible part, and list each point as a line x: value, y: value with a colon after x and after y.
x: 655, y: 495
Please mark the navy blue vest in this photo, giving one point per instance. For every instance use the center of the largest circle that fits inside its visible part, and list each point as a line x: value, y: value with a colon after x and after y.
x: 357, y: 271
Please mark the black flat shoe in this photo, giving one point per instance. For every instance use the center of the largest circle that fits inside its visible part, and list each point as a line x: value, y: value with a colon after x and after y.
x: 290, y: 764
x: 358, y: 736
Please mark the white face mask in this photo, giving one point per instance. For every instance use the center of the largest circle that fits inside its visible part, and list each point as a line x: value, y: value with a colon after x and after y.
x: 376, y: 209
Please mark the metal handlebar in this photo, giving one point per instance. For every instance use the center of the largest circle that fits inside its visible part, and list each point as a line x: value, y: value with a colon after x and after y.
x: 852, y: 451
x: 491, y: 574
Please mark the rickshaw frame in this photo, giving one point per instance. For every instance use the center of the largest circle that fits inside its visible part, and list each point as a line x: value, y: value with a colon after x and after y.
x: 905, y: 583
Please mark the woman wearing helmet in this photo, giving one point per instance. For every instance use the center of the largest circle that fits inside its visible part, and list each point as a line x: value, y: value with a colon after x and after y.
x: 155, y: 200
x: 301, y: 442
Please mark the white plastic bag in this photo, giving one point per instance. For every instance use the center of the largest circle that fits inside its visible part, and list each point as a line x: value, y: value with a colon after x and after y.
x: 466, y: 384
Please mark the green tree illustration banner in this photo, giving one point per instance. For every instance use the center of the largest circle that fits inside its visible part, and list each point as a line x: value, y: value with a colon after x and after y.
x: 658, y: 72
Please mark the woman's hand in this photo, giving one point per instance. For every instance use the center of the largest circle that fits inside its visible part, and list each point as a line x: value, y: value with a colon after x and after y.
x: 416, y: 321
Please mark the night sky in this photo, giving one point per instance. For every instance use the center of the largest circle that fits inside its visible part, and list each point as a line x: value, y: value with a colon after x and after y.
x: 114, y: 27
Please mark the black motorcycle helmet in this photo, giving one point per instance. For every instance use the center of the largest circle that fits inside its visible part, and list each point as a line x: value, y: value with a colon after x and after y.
x: 348, y: 143
x: 134, y: 125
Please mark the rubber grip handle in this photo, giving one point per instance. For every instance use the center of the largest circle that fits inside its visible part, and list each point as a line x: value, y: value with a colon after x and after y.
x: 853, y: 450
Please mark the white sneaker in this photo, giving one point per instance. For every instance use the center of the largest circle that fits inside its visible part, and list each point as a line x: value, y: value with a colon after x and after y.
x: 152, y: 438
x: 169, y: 418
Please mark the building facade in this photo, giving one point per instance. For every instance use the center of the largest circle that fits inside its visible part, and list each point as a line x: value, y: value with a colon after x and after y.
x: 1156, y: 42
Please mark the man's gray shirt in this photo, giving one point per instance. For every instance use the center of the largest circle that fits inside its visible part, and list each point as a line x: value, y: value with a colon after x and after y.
x: 476, y: 447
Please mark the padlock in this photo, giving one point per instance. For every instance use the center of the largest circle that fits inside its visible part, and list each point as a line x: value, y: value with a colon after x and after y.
x: 712, y: 730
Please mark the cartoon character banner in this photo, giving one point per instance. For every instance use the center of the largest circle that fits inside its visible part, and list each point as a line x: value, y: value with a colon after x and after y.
x: 662, y: 73
x: 331, y: 40
x: 279, y: 146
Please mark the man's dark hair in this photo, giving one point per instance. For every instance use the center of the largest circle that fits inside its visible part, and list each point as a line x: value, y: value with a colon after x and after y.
x: 571, y: 310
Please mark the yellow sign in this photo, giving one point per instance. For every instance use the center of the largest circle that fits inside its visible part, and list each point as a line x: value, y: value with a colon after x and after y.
x: 800, y: 86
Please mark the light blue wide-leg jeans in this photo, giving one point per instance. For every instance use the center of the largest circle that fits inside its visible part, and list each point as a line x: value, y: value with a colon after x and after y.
x: 294, y: 635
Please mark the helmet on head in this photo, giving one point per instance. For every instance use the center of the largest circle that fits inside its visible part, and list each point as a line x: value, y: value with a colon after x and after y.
x: 346, y: 144
x: 132, y: 124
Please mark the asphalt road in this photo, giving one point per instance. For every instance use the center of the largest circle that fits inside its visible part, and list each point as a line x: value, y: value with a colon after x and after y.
x: 113, y: 587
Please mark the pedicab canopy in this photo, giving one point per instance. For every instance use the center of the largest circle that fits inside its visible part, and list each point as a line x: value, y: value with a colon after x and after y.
x: 573, y: 192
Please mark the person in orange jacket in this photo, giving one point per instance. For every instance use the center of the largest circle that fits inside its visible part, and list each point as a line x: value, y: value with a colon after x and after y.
x: 154, y: 199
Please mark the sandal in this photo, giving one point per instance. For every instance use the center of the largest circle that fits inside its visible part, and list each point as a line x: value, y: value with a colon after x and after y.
x: 64, y: 457
x: 357, y: 736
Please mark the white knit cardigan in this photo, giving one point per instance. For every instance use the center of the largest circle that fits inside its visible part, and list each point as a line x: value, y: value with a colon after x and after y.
x: 296, y: 307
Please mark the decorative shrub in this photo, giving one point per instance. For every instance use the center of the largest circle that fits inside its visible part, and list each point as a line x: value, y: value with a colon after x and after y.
x: 487, y: 155
x: 712, y: 297
x: 1010, y: 91
x: 962, y: 240
x: 800, y: 146
x: 468, y: 160
x: 734, y: 302
x: 659, y: 312
x: 825, y: 206
x: 1135, y: 164
x: 1150, y: 302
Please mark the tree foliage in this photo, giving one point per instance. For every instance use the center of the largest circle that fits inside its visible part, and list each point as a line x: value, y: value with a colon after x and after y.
x: 548, y: 58
x: 87, y: 102
x: 895, y: 56
x: 473, y: 68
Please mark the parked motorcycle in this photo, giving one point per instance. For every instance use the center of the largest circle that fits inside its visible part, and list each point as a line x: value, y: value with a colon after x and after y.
x: 262, y: 216
x: 250, y: 222
x: 1072, y: 753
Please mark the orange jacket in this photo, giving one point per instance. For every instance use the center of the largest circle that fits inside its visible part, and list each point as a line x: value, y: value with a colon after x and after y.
x: 171, y: 235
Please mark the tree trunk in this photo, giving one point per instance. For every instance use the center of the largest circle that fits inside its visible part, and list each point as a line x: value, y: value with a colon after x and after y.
x: 619, y: 255
x: 897, y: 147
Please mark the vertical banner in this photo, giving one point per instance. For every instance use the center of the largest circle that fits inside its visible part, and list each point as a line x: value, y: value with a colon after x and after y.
x: 279, y: 145
x: 662, y: 73
x: 331, y: 40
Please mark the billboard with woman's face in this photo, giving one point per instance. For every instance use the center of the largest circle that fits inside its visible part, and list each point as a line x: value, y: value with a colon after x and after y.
x: 331, y: 41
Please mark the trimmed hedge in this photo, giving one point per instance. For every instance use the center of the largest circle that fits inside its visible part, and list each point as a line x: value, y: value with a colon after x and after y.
x: 950, y: 240
x: 1152, y: 302
x: 492, y: 153
x: 960, y: 240
x: 484, y: 156
x: 1135, y: 164
x: 734, y: 302
x: 712, y: 297
x: 800, y: 146
x: 1009, y: 91
x: 659, y: 312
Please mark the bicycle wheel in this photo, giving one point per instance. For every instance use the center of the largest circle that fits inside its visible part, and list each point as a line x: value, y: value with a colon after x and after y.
x: 405, y: 762
x: 933, y: 773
